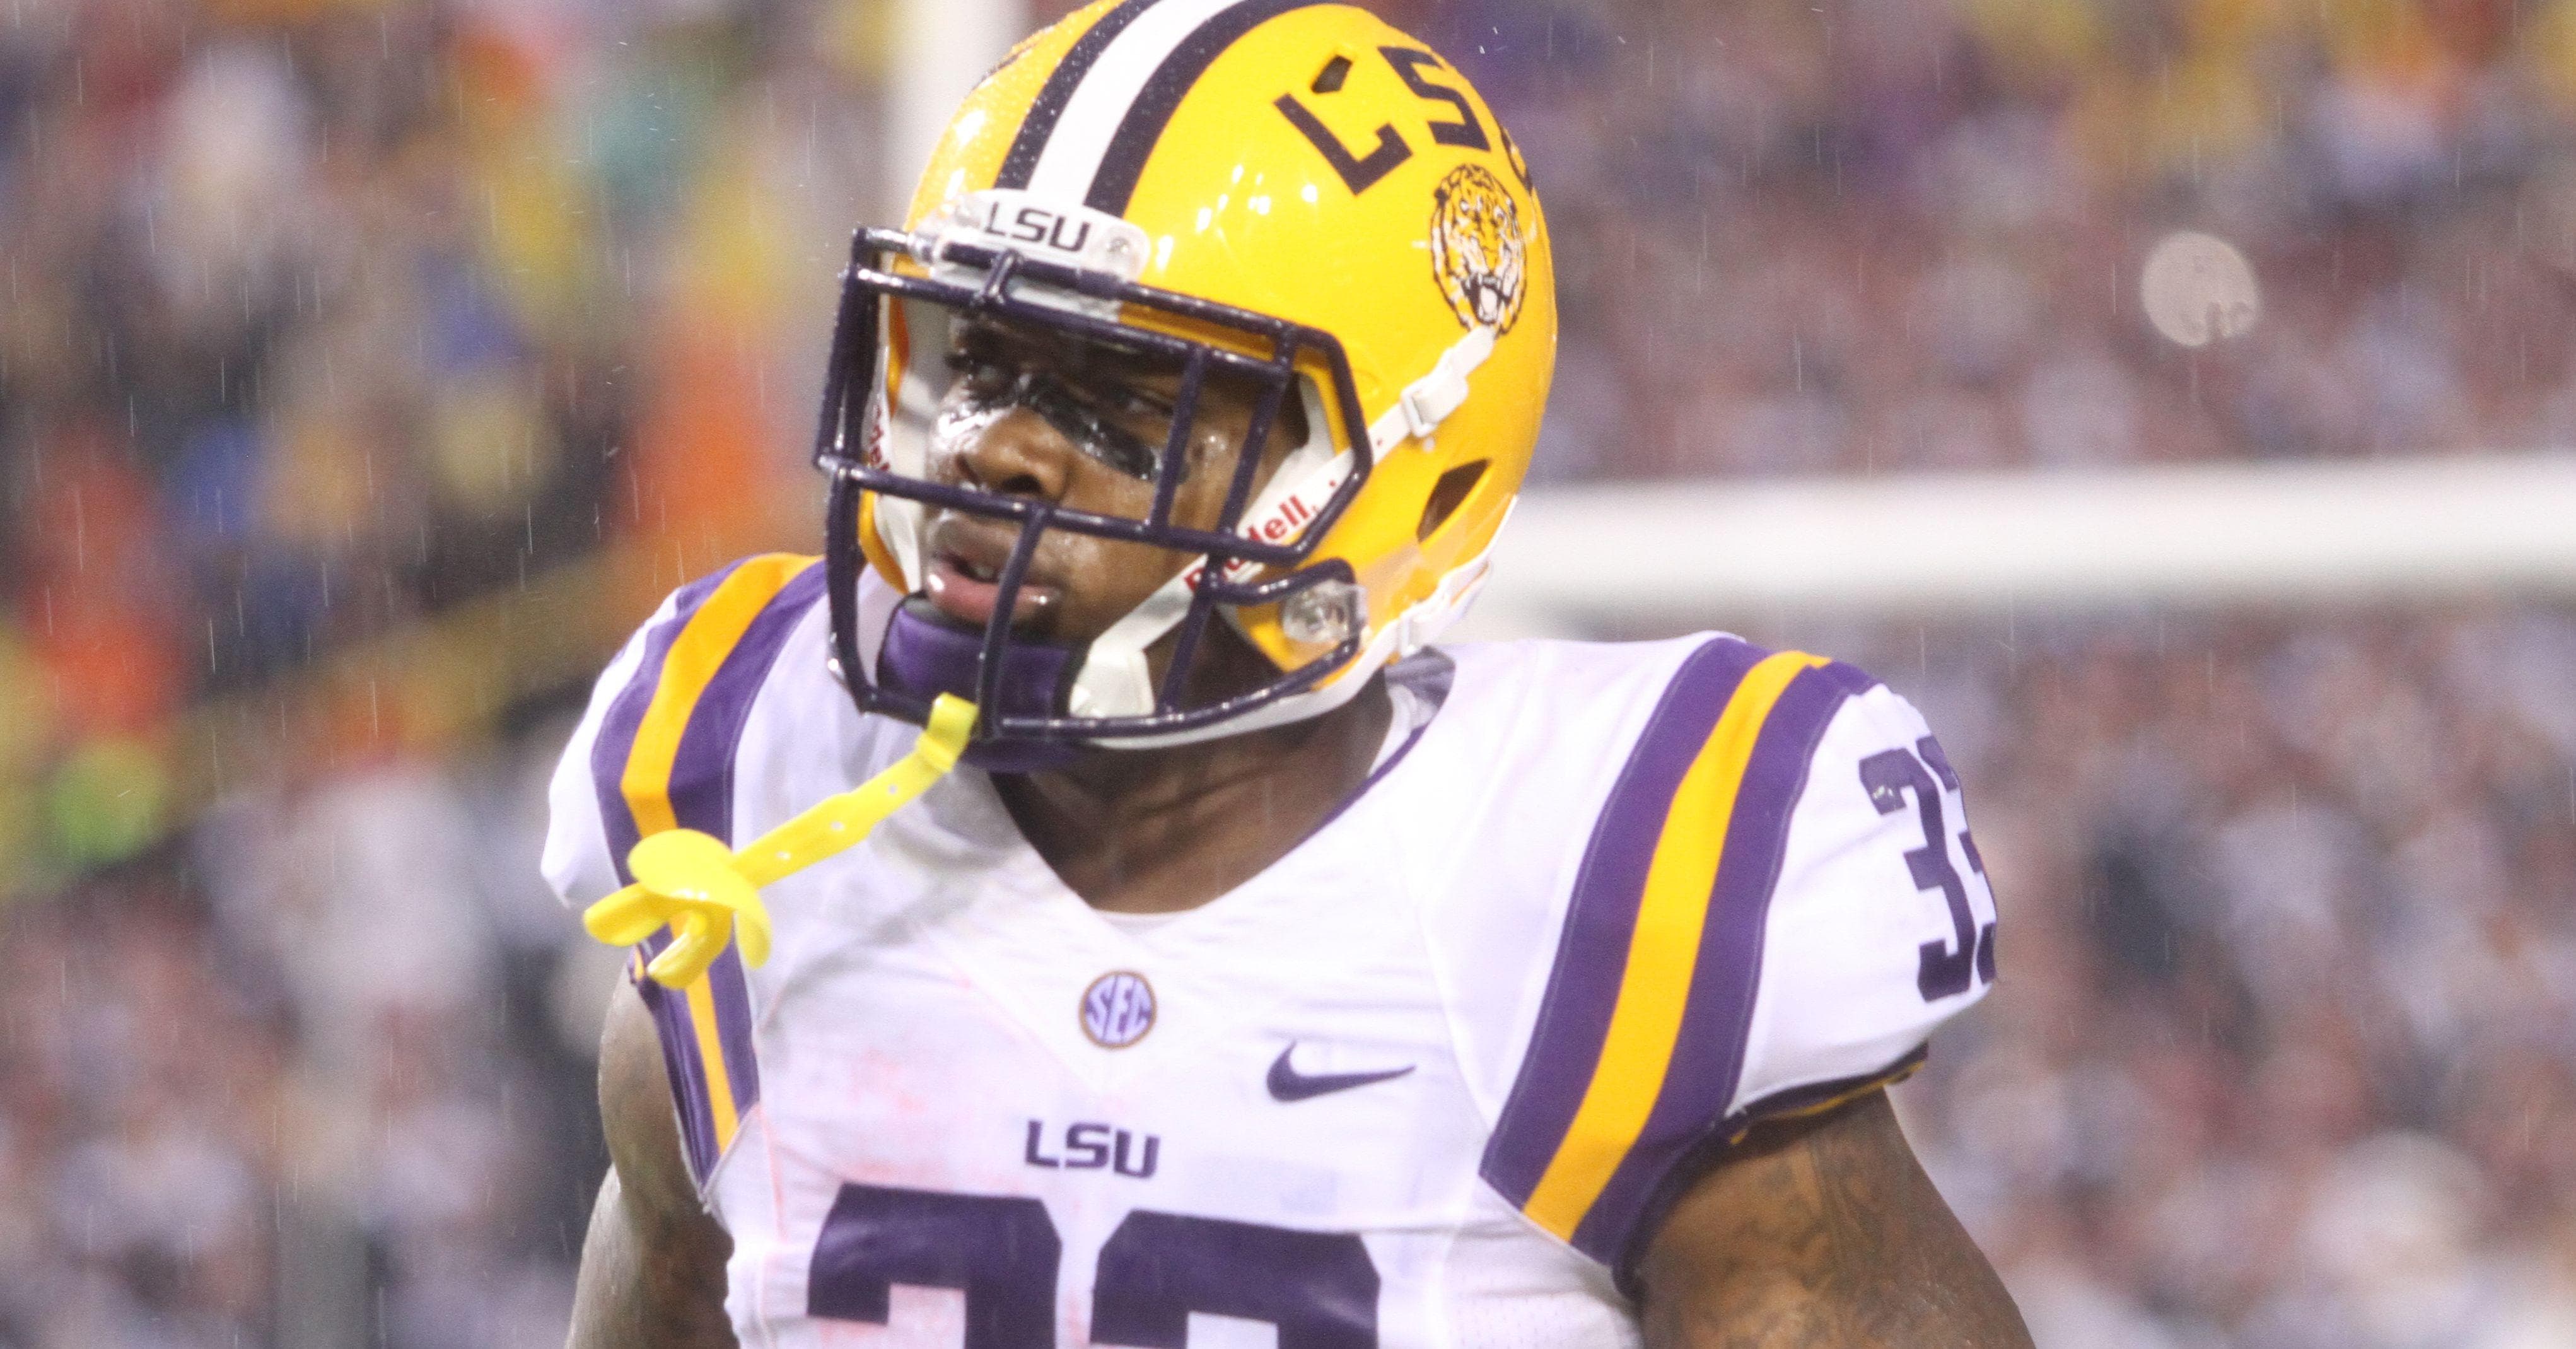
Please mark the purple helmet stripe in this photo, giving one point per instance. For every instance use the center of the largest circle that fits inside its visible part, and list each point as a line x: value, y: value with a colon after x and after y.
x: 1039, y: 125
x: 1122, y: 163
x: 1592, y: 954
x: 1719, y: 1011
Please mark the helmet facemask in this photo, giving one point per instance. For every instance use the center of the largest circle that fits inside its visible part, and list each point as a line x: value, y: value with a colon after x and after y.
x: 909, y: 375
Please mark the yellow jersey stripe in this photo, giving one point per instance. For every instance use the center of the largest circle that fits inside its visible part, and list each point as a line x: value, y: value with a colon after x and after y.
x: 695, y: 656
x: 720, y: 1099
x: 1662, y: 954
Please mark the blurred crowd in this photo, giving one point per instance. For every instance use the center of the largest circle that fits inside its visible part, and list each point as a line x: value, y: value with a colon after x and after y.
x: 317, y: 1075
x: 325, y: 317
x: 332, y: 321
x: 329, y: 322
x: 1879, y: 235
x: 2283, y: 1051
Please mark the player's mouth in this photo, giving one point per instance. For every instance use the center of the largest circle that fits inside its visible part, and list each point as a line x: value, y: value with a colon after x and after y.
x: 964, y: 580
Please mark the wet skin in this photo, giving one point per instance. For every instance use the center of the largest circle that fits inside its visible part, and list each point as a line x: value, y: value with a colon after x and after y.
x: 993, y: 432
x: 1134, y: 831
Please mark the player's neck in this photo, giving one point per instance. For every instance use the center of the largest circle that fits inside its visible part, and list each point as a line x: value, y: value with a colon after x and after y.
x: 1159, y: 831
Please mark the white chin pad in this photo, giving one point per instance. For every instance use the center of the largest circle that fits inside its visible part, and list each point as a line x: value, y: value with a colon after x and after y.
x: 1115, y: 680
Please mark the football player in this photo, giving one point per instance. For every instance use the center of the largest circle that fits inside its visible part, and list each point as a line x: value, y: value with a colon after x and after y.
x: 1268, y: 974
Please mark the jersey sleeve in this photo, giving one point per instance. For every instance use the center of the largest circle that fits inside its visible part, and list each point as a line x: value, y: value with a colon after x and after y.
x: 1881, y: 925
x: 1777, y: 905
x: 576, y: 861
x: 655, y: 750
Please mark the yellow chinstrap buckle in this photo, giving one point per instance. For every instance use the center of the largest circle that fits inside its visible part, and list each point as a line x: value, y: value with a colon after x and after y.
x: 707, y: 894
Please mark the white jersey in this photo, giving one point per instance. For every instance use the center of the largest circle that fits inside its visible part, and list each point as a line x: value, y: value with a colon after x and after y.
x: 1426, y: 1081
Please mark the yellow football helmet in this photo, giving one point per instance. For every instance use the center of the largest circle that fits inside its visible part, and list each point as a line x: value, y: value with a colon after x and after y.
x: 1286, y: 193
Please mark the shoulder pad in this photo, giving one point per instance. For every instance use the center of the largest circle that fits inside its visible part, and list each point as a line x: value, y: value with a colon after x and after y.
x: 656, y: 752
x: 1640, y: 1047
x: 663, y: 757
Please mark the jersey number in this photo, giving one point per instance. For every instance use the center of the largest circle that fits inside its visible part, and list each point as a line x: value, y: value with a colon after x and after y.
x: 1318, y: 1288
x: 1947, y: 967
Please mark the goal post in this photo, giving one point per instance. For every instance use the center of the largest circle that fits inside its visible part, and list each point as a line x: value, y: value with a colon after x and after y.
x: 943, y: 47
x: 1581, y: 558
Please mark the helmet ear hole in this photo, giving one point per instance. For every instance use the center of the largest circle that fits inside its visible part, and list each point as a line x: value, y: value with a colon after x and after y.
x: 1447, y: 495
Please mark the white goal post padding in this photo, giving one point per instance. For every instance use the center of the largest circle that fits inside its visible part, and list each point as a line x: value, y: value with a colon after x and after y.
x: 1574, y: 558
x: 942, y: 47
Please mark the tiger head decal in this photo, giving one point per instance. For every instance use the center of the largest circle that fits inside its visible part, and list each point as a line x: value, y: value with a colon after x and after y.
x: 1478, y: 248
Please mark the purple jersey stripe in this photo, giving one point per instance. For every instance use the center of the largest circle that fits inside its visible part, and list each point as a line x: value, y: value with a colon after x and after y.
x: 1694, y: 1165
x: 670, y: 1009
x: 701, y: 789
x: 1708, y: 1058
x: 608, y: 754
x: 701, y: 795
x: 733, y: 1028
x: 1592, y: 953
x: 1850, y: 679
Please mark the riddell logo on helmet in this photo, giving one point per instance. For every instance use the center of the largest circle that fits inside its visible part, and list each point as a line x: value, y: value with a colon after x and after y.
x: 872, y: 434
x: 1291, y: 513
x: 1281, y: 521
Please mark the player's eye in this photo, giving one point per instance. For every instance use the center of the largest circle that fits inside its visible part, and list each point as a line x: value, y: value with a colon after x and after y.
x: 982, y: 373
x: 1095, y: 430
x: 1134, y: 402
x: 1092, y: 402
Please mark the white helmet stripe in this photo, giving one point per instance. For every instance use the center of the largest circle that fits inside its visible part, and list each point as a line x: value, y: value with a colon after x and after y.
x: 1109, y: 126
x: 1090, y: 118
x: 1122, y: 163
x: 1038, y: 126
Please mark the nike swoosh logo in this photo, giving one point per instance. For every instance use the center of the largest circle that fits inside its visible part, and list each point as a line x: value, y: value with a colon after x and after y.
x: 1287, y: 1084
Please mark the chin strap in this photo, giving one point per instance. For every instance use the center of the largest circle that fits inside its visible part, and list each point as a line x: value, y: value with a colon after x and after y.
x: 708, y: 895
x: 1428, y: 401
x: 1114, y: 680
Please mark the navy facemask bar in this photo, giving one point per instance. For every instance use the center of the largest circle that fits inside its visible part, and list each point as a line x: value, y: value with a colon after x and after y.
x: 854, y: 375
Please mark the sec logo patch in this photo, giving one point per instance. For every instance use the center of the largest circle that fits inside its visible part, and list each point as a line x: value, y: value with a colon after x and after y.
x: 1118, y: 1009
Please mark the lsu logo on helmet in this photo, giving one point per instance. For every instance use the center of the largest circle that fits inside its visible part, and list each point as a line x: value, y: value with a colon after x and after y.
x: 1479, y: 248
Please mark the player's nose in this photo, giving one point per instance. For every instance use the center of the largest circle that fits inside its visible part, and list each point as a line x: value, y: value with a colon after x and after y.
x: 1017, y: 454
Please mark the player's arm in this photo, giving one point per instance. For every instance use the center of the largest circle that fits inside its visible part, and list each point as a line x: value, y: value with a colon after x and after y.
x: 1821, y: 1231
x: 653, y: 1266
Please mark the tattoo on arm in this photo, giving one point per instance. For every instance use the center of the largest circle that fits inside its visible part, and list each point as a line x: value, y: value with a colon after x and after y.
x: 1823, y: 1232
x: 653, y: 1264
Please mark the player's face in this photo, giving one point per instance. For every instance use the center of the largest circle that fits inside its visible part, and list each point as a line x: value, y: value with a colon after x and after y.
x: 1083, y: 425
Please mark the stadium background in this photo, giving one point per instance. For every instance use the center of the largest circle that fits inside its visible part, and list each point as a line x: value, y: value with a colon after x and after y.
x: 368, y: 368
